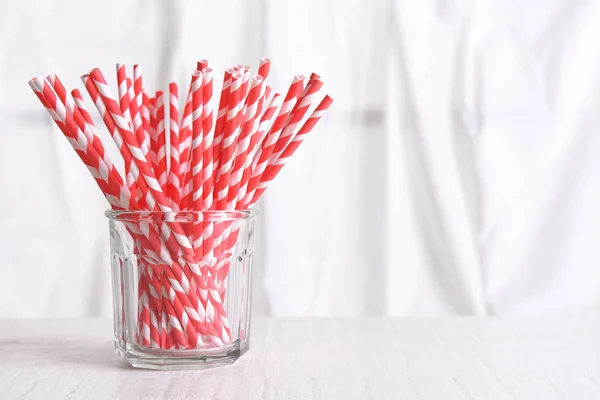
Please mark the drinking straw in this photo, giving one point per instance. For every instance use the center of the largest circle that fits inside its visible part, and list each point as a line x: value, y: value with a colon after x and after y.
x: 161, y: 171
x: 173, y: 190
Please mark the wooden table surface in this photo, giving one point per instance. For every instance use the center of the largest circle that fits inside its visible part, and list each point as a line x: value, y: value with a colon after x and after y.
x: 366, y: 358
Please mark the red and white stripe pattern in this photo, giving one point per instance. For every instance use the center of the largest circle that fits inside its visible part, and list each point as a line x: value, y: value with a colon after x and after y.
x: 228, y: 145
x: 185, y: 151
x: 122, y: 88
x: 207, y: 141
x: 161, y: 139
x: 221, y: 118
x: 142, y: 134
x: 152, y: 130
x: 252, y: 108
x: 174, y: 188
x: 197, y: 163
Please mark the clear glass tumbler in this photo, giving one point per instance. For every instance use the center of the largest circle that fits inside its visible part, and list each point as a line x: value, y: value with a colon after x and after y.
x: 181, y: 287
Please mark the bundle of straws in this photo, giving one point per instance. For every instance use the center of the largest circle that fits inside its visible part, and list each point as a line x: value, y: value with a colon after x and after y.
x: 203, y: 158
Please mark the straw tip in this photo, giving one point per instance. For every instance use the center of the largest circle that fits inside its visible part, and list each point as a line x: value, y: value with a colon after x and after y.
x: 32, y: 82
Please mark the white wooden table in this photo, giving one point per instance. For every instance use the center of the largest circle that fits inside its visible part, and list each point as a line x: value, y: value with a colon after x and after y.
x: 367, y: 358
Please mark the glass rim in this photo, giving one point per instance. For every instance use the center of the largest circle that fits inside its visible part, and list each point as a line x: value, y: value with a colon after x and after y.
x: 181, y: 216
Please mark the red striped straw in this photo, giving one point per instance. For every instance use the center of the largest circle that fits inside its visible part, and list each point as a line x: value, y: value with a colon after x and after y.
x: 136, y: 117
x: 161, y: 151
x: 173, y: 190
x: 245, y: 80
x: 122, y: 91
x: 185, y: 151
x: 207, y: 125
x: 228, y: 145
x: 273, y: 169
x: 146, y: 115
x: 196, y: 199
x: 124, y: 105
x: 263, y: 105
x: 267, y: 119
x: 142, y: 135
x: 153, y: 133
x: 221, y: 118
x: 207, y: 158
x: 243, y: 142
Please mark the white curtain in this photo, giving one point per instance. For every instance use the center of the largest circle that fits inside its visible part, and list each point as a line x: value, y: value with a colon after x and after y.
x: 456, y: 174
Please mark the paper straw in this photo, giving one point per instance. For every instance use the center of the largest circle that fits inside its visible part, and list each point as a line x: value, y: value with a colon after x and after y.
x: 161, y: 172
x: 197, y: 163
x: 221, y: 118
x: 243, y: 141
x: 137, y: 99
x: 185, y: 151
x: 229, y: 141
x: 173, y: 190
x: 207, y: 125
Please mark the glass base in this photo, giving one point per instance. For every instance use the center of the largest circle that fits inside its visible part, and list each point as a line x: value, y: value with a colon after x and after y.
x: 172, y: 360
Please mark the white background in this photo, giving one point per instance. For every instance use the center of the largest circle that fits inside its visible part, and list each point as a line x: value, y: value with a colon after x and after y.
x: 457, y: 173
